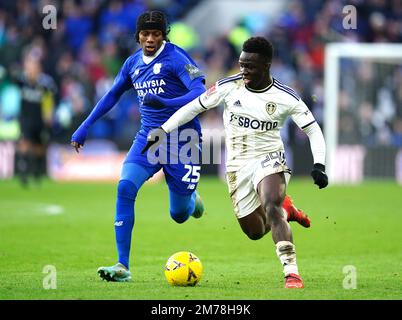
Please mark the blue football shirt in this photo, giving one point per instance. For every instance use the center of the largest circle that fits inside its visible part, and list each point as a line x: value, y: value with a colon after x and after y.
x: 169, y: 75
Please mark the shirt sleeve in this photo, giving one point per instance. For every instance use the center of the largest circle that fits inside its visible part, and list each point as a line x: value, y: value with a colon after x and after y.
x: 317, y: 142
x: 187, y: 70
x: 122, y: 82
x: 208, y: 100
x: 49, y: 84
x: 213, y: 96
x: 305, y: 120
x: 302, y: 115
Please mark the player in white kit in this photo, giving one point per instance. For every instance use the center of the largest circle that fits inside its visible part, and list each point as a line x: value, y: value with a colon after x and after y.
x: 256, y: 106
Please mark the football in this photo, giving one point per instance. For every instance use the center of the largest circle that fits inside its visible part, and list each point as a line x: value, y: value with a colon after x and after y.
x: 183, y: 269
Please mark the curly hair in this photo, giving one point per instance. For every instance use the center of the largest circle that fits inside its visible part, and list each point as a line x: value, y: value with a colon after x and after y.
x: 152, y: 20
x: 259, y: 45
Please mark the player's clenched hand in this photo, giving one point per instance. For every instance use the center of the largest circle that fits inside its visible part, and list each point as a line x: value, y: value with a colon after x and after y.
x: 78, y: 138
x: 155, y: 137
x: 319, y: 176
x: 76, y: 146
x: 153, y: 100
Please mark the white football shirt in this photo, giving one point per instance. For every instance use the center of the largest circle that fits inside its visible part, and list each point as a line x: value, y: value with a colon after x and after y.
x: 252, y: 119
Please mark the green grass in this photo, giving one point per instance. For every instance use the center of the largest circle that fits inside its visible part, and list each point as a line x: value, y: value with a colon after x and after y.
x: 351, y: 225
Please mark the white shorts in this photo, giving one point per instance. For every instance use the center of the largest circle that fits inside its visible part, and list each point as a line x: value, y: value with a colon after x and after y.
x: 243, y: 183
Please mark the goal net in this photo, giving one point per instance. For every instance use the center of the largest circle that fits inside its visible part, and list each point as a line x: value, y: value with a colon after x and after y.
x: 363, y: 111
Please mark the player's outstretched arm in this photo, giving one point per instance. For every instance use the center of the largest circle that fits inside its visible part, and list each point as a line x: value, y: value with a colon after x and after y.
x: 180, y: 117
x: 196, y: 89
x: 208, y: 100
x: 205, y: 101
x: 317, y: 144
x: 101, y: 108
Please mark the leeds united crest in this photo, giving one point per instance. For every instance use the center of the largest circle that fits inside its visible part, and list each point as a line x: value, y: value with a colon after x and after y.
x: 270, y: 107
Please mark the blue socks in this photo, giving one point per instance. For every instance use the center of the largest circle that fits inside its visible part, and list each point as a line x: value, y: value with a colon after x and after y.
x: 132, y: 178
x: 124, y: 221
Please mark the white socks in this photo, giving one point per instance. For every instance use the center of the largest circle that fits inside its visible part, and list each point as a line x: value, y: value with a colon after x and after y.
x: 286, y: 253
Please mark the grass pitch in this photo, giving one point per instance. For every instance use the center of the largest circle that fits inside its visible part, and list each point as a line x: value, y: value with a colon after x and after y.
x: 70, y: 226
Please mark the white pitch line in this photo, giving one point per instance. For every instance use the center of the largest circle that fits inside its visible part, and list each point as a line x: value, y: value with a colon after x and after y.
x: 52, y: 209
x: 48, y: 209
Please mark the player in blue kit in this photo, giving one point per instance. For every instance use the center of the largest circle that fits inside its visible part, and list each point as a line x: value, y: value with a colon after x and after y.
x: 165, y: 78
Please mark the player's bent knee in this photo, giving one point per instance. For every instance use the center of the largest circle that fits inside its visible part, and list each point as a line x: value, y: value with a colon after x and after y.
x: 254, y: 224
x: 255, y: 235
x: 181, y: 207
x: 179, y: 213
x: 179, y: 217
x: 127, y: 189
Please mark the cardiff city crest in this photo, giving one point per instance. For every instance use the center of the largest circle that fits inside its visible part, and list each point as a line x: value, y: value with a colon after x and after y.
x: 157, y: 68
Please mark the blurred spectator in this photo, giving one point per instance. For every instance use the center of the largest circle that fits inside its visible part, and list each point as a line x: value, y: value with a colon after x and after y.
x: 72, y: 109
x: 78, y: 25
x: 396, y: 138
x: 348, y: 128
x: 183, y: 36
x: 366, y: 126
x: 38, y: 92
x: 118, y: 18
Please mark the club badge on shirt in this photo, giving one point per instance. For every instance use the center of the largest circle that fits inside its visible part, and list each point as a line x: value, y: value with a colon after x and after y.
x: 157, y: 68
x: 270, y: 107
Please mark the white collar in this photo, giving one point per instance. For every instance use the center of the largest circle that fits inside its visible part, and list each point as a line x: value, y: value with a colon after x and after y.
x: 149, y: 59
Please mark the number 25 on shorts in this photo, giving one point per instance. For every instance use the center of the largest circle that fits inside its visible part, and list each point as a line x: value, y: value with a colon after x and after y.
x: 192, y: 175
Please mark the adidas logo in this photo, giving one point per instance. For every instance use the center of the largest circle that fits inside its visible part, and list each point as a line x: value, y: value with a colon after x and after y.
x: 237, y: 103
x: 276, y: 164
x: 118, y: 223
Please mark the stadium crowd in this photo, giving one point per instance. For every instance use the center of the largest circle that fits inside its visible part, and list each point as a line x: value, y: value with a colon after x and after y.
x: 93, y: 38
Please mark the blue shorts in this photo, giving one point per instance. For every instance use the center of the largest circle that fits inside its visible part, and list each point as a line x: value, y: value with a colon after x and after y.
x: 181, y: 174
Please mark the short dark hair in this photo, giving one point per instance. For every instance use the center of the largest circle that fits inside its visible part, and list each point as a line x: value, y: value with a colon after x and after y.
x: 150, y: 20
x: 259, y: 45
